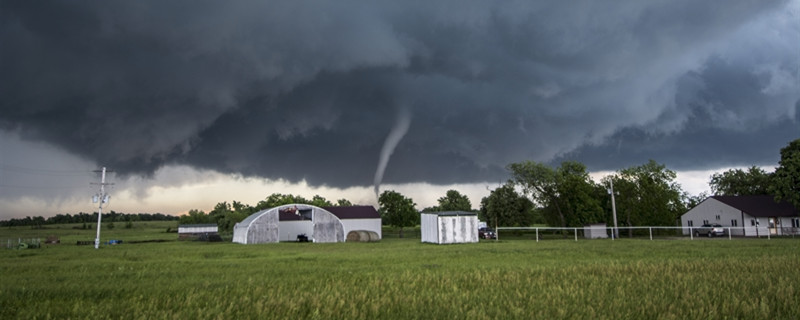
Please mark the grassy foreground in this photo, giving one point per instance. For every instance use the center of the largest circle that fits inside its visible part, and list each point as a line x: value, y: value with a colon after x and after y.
x: 405, y: 279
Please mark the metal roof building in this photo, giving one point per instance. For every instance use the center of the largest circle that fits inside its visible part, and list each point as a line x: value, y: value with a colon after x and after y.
x: 749, y: 216
x: 295, y: 221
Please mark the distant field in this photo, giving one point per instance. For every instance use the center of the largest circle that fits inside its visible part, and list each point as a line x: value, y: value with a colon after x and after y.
x: 398, y: 279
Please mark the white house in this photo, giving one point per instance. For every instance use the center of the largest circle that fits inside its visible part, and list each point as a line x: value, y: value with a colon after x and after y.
x: 749, y: 216
x: 449, y: 227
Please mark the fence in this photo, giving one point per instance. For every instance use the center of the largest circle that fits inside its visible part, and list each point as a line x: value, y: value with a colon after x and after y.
x: 22, y: 243
x: 651, y: 232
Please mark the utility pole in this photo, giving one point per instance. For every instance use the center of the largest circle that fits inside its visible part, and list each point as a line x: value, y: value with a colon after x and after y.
x: 614, y: 208
x: 100, y: 198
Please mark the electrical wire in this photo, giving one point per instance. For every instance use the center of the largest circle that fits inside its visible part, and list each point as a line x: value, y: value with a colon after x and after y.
x: 44, y: 172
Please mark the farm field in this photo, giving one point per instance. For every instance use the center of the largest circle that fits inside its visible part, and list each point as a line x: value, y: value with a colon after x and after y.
x: 397, y: 279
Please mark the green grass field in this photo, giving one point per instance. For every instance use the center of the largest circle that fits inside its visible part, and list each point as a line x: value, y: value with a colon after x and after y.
x: 397, y: 279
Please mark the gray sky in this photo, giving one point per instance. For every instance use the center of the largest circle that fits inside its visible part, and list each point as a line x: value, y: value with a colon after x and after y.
x: 171, y: 93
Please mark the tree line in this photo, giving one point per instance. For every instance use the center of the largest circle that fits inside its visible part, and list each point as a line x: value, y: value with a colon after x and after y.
x: 82, y: 217
x: 225, y: 215
x: 536, y: 193
x: 784, y: 183
x: 566, y: 196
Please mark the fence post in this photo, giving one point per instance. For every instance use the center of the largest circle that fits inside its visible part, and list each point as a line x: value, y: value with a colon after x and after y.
x: 691, y: 234
x: 729, y: 233
x: 576, y: 234
x: 651, y: 233
x: 537, y: 234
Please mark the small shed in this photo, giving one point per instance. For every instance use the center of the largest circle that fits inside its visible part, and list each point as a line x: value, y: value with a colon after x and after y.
x: 449, y: 227
x: 595, y: 231
x: 195, y: 231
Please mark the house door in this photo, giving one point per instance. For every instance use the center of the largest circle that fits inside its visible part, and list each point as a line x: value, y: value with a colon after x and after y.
x: 774, y: 224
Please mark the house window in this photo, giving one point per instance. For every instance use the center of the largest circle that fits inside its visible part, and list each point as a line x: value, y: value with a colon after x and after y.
x: 734, y: 223
x: 705, y: 221
x: 796, y: 223
x: 752, y: 222
x: 690, y: 223
x: 717, y: 217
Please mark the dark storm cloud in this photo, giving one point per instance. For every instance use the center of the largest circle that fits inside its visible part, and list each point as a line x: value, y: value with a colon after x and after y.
x: 300, y: 90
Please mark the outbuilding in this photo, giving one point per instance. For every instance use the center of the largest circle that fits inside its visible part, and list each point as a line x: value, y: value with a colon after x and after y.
x: 595, y: 231
x: 449, y: 227
x: 300, y: 222
x: 748, y: 216
x: 196, y: 231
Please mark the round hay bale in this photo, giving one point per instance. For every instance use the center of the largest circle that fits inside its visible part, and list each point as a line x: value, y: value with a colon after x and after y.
x: 353, y: 236
x: 373, y: 236
x: 362, y: 236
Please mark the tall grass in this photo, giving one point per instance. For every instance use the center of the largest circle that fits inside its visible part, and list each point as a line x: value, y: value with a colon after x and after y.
x: 405, y: 279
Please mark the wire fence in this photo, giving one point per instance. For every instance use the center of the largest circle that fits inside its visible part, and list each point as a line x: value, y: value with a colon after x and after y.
x: 23, y: 243
x: 649, y: 232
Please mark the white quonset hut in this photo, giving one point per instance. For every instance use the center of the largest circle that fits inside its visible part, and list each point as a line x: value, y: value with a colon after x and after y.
x: 748, y: 216
x: 449, y: 227
x: 294, y: 221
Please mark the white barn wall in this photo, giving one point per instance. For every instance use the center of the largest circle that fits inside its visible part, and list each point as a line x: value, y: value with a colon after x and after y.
x: 458, y: 229
x: 373, y: 225
x: 429, y: 227
x: 198, y: 229
x: 709, y: 210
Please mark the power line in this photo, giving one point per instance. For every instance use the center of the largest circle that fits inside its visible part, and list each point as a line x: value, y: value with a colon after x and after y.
x: 46, y: 172
x: 101, y: 198
x: 38, y: 187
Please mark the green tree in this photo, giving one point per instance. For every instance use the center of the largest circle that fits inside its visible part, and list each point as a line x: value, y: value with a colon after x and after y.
x: 277, y: 199
x: 344, y: 203
x: 507, y: 208
x: 220, y: 215
x: 786, y: 179
x: 431, y: 209
x: 565, y: 193
x: 691, y: 201
x: 397, y: 210
x: 38, y: 222
x: 454, y: 201
x: 242, y: 208
x: 738, y: 182
x: 194, y: 216
x: 320, y: 201
x: 647, y: 195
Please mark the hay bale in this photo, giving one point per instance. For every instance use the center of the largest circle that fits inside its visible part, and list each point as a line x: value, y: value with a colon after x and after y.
x: 374, y: 237
x: 353, y: 236
x: 362, y: 236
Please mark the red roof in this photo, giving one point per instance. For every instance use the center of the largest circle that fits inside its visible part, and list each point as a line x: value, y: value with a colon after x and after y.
x: 759, y: 206
x: 354, y: 212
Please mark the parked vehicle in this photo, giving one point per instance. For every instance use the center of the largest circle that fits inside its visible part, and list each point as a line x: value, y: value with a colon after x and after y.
x: 486, y: 233
x: 710, y: 230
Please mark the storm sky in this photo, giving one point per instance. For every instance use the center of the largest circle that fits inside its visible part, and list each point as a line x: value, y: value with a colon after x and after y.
x: 307, y: 92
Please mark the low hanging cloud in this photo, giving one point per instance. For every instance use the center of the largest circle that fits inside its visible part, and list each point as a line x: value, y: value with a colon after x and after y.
x: 309, y: 91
